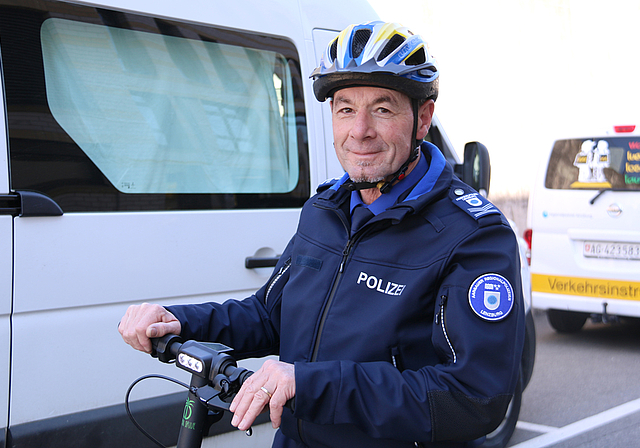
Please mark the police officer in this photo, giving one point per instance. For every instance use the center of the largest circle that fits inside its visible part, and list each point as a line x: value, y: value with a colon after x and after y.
x: 396, y: 308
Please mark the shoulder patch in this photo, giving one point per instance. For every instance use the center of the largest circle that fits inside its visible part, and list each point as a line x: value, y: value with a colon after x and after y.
x: 491, y: 297
x: 473, y: 204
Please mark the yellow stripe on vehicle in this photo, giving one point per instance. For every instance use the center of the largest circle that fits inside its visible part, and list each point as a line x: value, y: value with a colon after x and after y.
x: 588, y: 287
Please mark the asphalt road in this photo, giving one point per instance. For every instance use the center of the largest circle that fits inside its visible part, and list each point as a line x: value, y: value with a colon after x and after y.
x: 585, y: 389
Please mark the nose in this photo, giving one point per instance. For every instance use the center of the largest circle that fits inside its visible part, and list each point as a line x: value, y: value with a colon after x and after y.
x: 363, y: 126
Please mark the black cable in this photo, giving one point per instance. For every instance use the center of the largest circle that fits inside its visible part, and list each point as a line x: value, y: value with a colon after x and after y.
x: 126, y: 403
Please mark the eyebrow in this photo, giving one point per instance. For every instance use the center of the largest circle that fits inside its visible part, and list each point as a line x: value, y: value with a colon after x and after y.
x: 379, y: 100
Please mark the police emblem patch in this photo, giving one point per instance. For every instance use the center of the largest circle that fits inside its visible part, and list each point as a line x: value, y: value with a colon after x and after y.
x: 473, y: 203
x: 491, y: 297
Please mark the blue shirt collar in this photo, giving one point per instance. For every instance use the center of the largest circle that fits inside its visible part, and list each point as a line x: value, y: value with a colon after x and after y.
x: 389, y: 199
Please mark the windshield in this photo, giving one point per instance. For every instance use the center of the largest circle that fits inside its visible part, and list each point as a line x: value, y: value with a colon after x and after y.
x: 598, y: 163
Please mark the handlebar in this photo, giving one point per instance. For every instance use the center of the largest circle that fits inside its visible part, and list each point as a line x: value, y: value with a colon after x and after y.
x: 207, y: 361
x: 215, y: 380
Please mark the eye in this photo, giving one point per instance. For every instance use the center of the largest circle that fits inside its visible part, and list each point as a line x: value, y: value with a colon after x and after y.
x: 345, y: 110
x: 384, y: 111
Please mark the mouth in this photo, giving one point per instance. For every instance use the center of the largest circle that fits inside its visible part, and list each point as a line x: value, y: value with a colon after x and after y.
x: 363, y: 151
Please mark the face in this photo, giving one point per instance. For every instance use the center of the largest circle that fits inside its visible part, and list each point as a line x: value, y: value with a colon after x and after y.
x: 372, y: 130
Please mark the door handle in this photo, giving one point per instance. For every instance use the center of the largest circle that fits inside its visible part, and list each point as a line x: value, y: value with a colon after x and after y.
x: 28, y: 204
x: 260, y: 262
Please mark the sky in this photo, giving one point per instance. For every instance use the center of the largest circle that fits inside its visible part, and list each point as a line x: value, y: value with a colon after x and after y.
x: 518, y: 74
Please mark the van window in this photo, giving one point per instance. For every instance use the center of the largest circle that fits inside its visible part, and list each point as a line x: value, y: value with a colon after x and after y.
x: 132, y: 113
x: 164, y: 114
x: 595, y: 163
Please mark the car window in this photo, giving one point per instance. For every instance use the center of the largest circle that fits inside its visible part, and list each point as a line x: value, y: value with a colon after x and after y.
x: 128, y: 112
x: 595, y: 163
x: 434, y: 136
x: 164, y: 114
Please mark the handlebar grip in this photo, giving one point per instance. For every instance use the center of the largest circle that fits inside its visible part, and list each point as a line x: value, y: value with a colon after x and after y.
x: 166, y: 347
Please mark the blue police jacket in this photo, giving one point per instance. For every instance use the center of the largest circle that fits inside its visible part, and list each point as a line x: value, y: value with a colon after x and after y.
x: 408, y: 331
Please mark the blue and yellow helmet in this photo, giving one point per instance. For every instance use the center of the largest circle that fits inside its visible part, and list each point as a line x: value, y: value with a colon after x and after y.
x: 377, y: 54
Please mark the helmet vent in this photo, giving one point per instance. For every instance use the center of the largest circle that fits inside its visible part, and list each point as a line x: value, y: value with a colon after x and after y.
x: 360, y: 39
x: 416, y: 58
x: 333, y: 51
x: 393, y: 43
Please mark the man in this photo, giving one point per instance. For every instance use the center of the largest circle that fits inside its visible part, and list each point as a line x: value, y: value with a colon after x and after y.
x: 396, y: 307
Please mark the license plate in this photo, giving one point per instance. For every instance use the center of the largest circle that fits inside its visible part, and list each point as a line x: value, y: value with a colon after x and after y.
x: 618, y: 251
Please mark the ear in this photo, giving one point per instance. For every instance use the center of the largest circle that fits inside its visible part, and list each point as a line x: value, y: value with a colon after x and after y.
x: 425, y: 114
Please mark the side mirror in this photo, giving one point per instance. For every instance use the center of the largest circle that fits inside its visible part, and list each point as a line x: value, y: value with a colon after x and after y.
x: 476, y: 168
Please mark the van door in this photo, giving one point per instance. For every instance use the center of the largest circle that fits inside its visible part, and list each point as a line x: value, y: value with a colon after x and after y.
x: 6, y: 273
x: 177, y: 153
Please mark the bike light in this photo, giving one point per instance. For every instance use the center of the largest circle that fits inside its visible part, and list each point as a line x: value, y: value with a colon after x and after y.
x: 195, y: 358
x: 190, y: 363
x: 202, y: 359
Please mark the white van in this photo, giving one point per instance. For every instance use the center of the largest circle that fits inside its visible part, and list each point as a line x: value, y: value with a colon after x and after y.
x: 154, y: 151
x: 584, y: 215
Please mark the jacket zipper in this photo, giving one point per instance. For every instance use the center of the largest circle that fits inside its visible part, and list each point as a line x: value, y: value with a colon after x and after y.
x: 345, y: 254
x: 441, y: 320
x: 278, y: 276
x: 325, y: 312
x: 351, y: 242
x: 332, y: 293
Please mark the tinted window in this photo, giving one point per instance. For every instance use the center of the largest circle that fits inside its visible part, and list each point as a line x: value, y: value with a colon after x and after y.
x: 595, y: 163
x: 434, y: 136
x: 127, y: 112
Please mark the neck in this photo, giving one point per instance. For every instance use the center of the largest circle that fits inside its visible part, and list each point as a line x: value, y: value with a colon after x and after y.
x: 371, y: 194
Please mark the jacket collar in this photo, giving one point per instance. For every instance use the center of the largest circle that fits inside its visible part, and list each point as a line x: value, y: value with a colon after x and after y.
x: 436, y: 180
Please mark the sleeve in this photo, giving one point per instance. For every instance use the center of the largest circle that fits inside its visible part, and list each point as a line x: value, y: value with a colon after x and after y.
x: 250, y: 326
x: 461, y: 398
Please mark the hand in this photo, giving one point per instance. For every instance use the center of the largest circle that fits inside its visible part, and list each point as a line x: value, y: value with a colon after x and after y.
x: 279, y: 379
x: 145, y: 321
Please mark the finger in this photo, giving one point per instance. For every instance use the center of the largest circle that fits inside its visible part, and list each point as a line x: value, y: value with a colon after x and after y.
x: 257, y: 402
x: 161, y: 329
x: 275, y: 413
x: 276, y: 405
x: 238, y: 405
x: 140, y: 325
x: 127, y: 328
x: 249, y: 401
x: 278, y: 379
x: 134, y: 326
x: 250, y: 386
x: 236, y: 401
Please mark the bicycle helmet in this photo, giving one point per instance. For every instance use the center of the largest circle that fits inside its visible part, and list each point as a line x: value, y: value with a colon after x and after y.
x: 379, y: 54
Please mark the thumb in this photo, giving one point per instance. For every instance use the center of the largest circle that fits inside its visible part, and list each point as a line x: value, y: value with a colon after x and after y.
x: 159, y: 329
